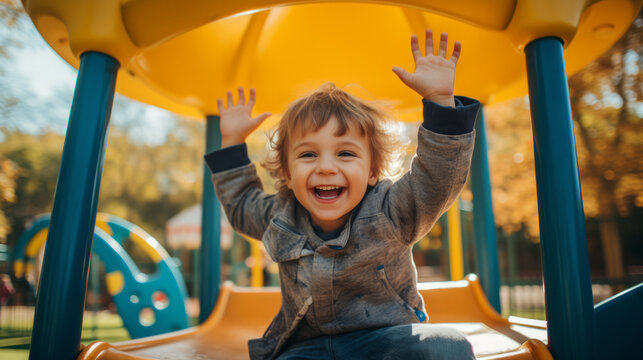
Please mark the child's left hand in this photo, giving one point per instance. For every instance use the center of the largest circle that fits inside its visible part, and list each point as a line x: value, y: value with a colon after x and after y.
x: 434, y: 76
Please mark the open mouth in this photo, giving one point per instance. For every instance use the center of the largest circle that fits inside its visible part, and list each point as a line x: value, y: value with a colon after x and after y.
x: 328, y: 192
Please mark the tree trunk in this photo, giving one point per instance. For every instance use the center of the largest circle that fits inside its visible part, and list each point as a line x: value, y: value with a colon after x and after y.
x: 610, y: 239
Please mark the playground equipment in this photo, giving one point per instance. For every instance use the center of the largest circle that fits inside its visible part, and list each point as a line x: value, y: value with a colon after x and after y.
x: 182, y: 55
x: 133, y: 292
x: 243, y: 313
x: 184, y: 231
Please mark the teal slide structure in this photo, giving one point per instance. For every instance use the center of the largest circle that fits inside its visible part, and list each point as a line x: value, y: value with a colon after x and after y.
x: 149, y: 304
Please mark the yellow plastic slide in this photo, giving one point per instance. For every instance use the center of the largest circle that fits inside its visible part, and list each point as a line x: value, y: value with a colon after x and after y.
x: 243, y: 313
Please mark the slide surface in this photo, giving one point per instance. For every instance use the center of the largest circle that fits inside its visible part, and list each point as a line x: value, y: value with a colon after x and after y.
x: 244, y: 313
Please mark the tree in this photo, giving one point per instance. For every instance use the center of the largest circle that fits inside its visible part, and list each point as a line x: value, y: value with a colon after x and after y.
x: 148, y: 184
x: 8, y: 175
x: 606, y: 109
x: 153, y: 163
x: 511, y: 158
x: 36, y: 160
x: 607, y: 102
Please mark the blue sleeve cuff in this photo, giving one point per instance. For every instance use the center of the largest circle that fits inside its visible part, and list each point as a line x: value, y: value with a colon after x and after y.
x: 451, y: 121
x: 227, y: 158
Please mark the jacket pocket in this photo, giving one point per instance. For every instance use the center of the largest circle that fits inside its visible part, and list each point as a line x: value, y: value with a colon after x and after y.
x: 264, y: 347
x: 261, y: 349
x: 381, y: 275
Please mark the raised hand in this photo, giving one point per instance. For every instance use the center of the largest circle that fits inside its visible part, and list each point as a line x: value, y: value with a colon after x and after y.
x: 434, y: 75
x: 236, y: 121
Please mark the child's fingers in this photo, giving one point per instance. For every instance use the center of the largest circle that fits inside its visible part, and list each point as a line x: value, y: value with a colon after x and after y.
x: 230, y: 101
x: 404, y: 75
x: 242, y: 96
x: 220, y: 106
x: 251, y: 101
x: 442, y: 50
x: 415, y: 48
x: 457, y: 48
x: 429, y: 42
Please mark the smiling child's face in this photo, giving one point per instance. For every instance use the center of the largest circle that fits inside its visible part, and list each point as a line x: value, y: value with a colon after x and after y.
x: 328, y: 173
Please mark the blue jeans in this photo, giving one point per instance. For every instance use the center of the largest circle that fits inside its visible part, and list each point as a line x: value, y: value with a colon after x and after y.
x: 405, y: 342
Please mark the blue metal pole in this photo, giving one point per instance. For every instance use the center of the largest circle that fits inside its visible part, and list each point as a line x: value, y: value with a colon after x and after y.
x: 210, y: 259
x: 483, y: 221
x: 568, y: 288
x: 63, y: 281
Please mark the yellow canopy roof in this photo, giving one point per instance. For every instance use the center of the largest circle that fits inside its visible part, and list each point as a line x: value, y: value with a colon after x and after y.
x: 183, y: 55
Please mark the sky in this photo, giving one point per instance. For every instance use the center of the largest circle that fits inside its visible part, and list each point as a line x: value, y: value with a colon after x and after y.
x: 43, y: 70
x: 43, y: 85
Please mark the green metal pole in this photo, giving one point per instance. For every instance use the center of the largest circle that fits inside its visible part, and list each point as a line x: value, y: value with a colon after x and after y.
x: 483, y: 220
x: 194, y: 255
x: 568, y: 287
x: 210, y: 276
x: 467, y: 236
x: 58, y: 318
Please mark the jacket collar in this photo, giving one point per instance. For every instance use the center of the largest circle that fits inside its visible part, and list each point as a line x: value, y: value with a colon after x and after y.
x: 337, y: 243
x: 291, y: 227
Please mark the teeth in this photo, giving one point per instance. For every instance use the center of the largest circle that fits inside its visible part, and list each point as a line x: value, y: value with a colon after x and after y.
x: 327, y: 187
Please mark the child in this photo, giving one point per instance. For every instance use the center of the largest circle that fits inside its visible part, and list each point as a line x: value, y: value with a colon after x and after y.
x: 341, y: 236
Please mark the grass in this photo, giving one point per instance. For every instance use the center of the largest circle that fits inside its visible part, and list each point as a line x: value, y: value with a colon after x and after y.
x: 534, y: 314
x: 11, y: 354
x: 105, y: 327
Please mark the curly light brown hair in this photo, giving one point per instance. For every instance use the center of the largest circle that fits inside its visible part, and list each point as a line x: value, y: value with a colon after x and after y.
x: 314, y: 111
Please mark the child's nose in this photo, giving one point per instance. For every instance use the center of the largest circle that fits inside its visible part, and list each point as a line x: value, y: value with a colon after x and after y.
x: 326, y: 165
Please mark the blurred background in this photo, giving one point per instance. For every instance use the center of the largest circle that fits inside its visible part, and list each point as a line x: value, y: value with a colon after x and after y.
x: 153, y: 177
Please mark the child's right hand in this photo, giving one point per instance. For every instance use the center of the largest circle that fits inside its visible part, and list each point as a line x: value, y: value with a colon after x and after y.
x: 236, y: 121
x: 434, y: 75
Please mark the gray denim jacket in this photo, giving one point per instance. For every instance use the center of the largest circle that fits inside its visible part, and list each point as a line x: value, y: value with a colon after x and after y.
x: 365, y: 278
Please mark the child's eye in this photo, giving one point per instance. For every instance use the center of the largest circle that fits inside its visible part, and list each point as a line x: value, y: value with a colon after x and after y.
x: 307, y: 154
x: 346, y: 153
